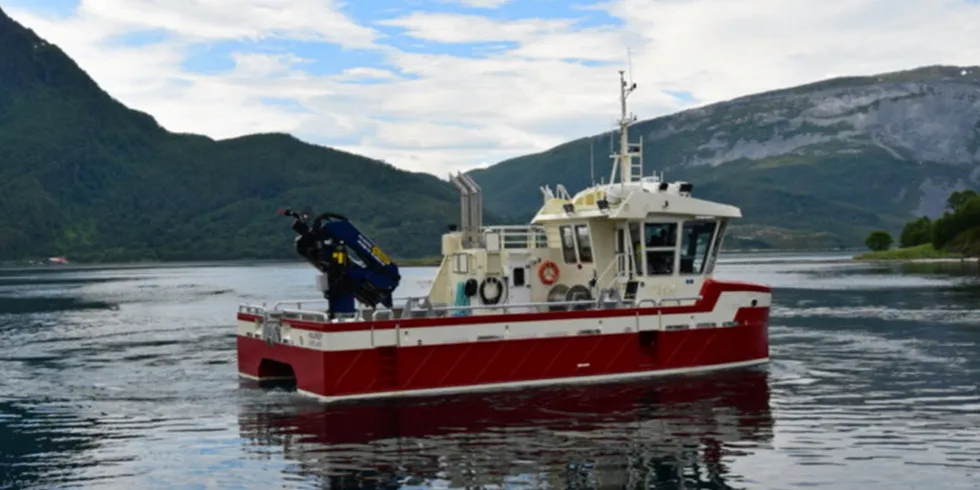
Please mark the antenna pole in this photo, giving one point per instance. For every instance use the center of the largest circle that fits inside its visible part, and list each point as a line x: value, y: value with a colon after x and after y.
x: 625, y: 120
x: 591, y: 161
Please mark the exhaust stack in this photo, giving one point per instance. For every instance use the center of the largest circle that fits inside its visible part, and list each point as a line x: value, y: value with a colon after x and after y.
x: 471, y: 209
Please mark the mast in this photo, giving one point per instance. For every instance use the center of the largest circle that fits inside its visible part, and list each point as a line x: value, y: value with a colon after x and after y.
x: 626, y: 151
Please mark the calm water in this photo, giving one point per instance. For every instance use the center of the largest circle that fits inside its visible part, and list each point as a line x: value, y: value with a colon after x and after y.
x: 125, y: 378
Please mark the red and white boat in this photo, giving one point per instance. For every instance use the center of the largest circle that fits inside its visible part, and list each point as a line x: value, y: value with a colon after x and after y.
x: 615, y: 282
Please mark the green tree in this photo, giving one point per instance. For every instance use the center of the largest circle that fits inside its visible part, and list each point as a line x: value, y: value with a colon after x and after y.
x: 959, y: 198
x: 943, y: 231
x: 961, y: 222
x: 879, y: 240
x: 916, y: 232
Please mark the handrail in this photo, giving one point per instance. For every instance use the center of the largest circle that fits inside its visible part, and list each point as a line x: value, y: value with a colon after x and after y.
x: 297, y: 302
x: 515, y: 305
x: 679, y: 299
x: 613, y: 263
x: 519, y: 236
x: 630, y: 262
x: 527, y: 229
x: 299, y: 312
x: 658, y: 302
x: 429, y: 311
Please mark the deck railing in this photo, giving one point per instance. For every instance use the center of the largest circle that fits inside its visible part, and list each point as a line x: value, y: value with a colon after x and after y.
x: 420, y: 307
x: 520, y: 236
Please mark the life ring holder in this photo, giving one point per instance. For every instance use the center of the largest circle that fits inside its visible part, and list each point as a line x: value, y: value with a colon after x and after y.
x: 548, y: 273
x: 500, y: 290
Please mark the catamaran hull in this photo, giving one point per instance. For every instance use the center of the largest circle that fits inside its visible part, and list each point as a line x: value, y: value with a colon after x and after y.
x: 410, y: 357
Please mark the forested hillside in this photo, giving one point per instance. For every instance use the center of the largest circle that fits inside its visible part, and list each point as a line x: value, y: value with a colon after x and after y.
x: 83, y: 176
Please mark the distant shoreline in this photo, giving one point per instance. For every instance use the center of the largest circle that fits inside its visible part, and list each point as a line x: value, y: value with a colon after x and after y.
x: 919, y: 260
x: 39, y: 264
x: 919, y: 254
x: 433, y: 262
x: 136, y: 264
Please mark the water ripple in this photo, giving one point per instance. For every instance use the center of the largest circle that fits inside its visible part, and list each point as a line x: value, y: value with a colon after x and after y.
x: 126, y: 378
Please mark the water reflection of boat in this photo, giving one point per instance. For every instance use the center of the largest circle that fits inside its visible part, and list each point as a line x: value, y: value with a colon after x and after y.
x: 668, y: 433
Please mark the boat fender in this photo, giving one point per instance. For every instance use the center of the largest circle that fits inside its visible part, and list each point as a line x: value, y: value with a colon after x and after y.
x: 483, y: 291
x: 470, y: 287
x: 548, y: 272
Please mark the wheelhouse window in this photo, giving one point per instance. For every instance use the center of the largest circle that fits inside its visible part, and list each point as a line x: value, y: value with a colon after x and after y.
x: 716, y: 246
x: 660, y: 235
x: 660, y: 240
x: 696, y: 240
x: 568, y: 244
x: 576, y: 244
x: 584, y: 242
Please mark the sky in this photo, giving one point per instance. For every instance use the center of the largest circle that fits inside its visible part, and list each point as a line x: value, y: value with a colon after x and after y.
x: 441, y: 86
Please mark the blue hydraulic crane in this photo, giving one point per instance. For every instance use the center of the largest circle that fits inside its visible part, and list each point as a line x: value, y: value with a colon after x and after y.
x: 367, y: 275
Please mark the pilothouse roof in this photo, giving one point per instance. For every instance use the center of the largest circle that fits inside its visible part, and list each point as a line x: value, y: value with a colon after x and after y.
x: 633, y: 196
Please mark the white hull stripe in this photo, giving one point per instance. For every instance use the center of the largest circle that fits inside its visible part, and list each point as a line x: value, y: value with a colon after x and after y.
x: 601, y: 378
x: 721, y: 317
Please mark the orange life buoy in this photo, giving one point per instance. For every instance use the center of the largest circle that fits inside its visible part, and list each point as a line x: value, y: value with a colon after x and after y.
x: 548, y: 272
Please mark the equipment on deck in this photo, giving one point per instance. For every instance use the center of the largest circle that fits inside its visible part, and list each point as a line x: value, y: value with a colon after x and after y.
x: 367, y: 275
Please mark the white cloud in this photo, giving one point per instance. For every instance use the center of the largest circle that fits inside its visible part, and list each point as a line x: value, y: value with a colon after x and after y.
x: 199, y: 20
x: 434, y: 112
x: 485, y: 4
x: 472, y: 28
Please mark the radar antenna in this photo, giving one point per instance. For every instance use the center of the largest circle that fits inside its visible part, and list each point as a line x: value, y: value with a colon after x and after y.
x: 627, y: 151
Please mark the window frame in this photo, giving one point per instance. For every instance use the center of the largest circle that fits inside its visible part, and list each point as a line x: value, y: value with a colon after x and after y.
x: 575, y: 245
x: 568, y: 247
x: 716, y: 245
x: 673, y: 225
x: 706, y: 256
x: 578, y: 243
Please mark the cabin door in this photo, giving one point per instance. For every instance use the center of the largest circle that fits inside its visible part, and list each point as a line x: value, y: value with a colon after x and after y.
x: 519, y: 282
x: 623, y: 250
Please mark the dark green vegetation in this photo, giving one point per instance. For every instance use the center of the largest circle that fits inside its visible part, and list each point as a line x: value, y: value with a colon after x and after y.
x: 83, y: 176
x: 955, y: 234
x: 879, y: 240
x: 812, y: 167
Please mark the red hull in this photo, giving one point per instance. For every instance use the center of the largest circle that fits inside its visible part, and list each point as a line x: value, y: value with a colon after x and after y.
x: 467, y: 365
x: 432, y: 368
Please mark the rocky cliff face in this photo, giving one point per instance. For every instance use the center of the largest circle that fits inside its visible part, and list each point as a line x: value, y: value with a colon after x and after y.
x: 893, y: 145
x: 934, y: 120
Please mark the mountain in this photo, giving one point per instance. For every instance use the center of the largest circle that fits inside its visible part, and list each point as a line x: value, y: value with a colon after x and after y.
x: 819, y: 165
x: 82, y: 175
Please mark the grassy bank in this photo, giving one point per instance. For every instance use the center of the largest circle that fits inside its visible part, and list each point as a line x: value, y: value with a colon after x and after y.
x: 919, y: 252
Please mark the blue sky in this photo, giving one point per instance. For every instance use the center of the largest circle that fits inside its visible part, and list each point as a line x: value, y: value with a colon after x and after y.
x: 543, y: 72
x: 326, y: 58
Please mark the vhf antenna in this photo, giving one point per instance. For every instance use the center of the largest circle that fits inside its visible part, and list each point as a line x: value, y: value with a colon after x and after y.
x: 592, y: 160
x: 629, y: 63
